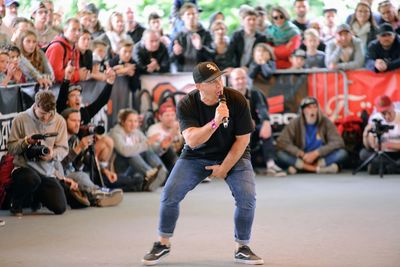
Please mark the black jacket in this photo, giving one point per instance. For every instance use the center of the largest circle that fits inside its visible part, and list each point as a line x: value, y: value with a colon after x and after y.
x: 143, y: 58
x: 391, y: 56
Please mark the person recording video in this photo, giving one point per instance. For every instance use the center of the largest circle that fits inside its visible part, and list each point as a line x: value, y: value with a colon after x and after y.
x: 38, y: 139
x: 385, y: 123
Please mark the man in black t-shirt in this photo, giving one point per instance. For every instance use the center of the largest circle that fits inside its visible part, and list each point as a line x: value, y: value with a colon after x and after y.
x: 216, y: 125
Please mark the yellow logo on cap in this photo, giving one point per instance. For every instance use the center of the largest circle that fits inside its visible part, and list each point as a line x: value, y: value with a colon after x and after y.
x: 211, y: 67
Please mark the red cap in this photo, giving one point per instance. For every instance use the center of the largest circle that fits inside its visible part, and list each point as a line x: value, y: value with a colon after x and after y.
x: 383, y: 103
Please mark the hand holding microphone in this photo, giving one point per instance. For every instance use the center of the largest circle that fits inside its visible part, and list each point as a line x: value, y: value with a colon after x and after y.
x: 222, y: 112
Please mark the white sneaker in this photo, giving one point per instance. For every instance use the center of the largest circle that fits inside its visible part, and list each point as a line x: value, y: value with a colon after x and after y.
x: 274, y: 170
x: 333, y: 168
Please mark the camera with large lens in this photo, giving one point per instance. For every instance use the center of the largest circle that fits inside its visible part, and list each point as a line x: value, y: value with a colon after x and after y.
x: 379, y: 128
x: 90, y: 129
x: 35, y: 151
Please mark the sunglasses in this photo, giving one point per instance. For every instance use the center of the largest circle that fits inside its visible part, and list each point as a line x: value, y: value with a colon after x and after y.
x: 278, y: 17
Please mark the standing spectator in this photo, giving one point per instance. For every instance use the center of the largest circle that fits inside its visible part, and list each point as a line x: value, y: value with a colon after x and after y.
x: 45, y: 32
x: 33, y: 62
x: 315, y: 58
x: 61, y: 51
x: 85, y: 56
x: 384, y: 53
x: 175, y: 16
x: 311, y: 142
x: 95, y: 27
x: 363, y: 24
x: 262, y: 19
x: 11, y: 12
x: 135, y: 30
x: 155, y: 24
x: 193, y: 43
x: 260, y: 116
x: 328, y: 29
x: 241, y: 45
x: 298, y: 59
x: 346, y: 51
x: 37, y: 178
x: 86, y: 19
x: 19, y: 26
x: 389, y: 14
x: 151, y: 54
x: 220, y: 44
x: 301, y: 8
x: 284, y: 36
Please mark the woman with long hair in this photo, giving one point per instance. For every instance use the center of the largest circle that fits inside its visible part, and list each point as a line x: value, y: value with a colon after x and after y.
x: 363, y: 24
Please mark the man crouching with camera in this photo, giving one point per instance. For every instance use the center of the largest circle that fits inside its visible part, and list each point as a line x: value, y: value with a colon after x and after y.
x: 38, y: 139
x: 383, y: 125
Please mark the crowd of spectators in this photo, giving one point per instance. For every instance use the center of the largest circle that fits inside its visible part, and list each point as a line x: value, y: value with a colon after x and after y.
x: 40, y: 49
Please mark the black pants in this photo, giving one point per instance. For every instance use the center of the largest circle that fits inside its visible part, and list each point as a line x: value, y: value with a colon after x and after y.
x: 27, y: 183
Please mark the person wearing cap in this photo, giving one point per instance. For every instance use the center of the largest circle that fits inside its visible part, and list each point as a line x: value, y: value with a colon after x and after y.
x: 298, y: 59
x: 217, y: 147
x: 384, y: 53
x: 389, y: 115
x: 11, y: 12
x: 310, y: 142
x: 328, y: 28
x: 345, y: 51
x: 45, y: 32
x: 192, y: 44
x: 170, y: 140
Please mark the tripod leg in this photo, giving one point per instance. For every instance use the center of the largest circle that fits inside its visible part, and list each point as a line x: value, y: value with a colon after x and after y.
x: 389, y: 158
x: 366, y: 162
x: 380, y: 159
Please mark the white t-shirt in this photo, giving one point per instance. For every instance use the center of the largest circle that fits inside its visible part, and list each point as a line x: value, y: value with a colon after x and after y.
x: 392, y: 135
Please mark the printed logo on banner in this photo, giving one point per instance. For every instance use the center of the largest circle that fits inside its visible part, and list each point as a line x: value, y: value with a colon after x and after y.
x: 5, y: 129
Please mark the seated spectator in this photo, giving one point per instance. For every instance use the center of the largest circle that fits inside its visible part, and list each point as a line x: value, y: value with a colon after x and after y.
x: 155, y: 23
x: 241, y: 45
x: 328, y: 29
x: 170, y: 140
x: 384, y: 53
x: 33, y: 61
x: 314, y: 58
x: 70, y: 96
x: 311, y: 142
x: 388, y: 14
x: 220, y: 44
x: 298, y: 59
x: 284, y: 36
x: 260, y: 116
x: 363, y: 24
x: 60, y: 52
x: 263, y: 63
x: 73, y: 164
x: 151, y: 54
x: 135, y: 150
x: 193, y: 43
x: 34, y: 175
x: 115, y: 34
x: 44, y: 31
x: 388, y: 115
x: 345, y: 51
x: 85, y: 57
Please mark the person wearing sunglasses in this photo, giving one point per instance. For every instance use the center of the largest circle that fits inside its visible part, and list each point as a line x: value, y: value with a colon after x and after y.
x: 283, y: 36
x: 310, y: 142
x: 45, y: 33
x: 384, y: 53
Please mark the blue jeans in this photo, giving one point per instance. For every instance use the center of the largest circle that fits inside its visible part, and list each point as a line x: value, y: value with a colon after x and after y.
x: 337, y: 156
x: 188, y: 173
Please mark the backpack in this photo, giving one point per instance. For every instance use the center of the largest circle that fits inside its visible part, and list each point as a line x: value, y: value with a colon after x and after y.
x: 44, y: 49
x: 6, y: 167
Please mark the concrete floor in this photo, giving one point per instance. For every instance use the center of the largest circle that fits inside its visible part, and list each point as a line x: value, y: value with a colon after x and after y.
x: 301, y: 221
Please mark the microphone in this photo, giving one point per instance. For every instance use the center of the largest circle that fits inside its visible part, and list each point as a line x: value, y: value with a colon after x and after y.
x: 225, y: 120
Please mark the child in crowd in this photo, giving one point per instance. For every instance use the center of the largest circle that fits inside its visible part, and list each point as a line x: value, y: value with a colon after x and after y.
x: 9, y: 70
x: 263, y: 62
x: 86, y: 56
x: 315, y: 58
x: 99, y: 60
x: 298, y: 59
x: 14, y: 54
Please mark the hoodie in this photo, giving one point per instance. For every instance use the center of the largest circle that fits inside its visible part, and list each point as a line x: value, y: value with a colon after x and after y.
x: 25, y: 124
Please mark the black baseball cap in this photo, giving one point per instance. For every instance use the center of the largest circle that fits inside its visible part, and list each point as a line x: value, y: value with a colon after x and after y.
x: 74, y: 87
x: 308, y: 100
x: 206, y: 72
x: 385, y: 28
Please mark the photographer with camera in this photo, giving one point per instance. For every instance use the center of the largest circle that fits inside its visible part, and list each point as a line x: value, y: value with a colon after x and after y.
x: 384, y: 125
x: 73, y: 163
x: 70, y: 97
x: 38, y: 139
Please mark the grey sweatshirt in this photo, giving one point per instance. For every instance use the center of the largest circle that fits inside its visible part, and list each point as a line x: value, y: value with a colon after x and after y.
x: 25, y: 124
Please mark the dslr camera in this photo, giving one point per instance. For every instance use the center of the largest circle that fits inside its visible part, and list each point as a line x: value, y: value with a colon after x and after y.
x: 90, y: 129
x: 37, y: 150
x: 379, y: 128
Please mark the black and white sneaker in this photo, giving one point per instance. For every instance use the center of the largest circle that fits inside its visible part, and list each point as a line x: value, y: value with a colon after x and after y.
x: 157, y: 252
x: 246, y: 256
